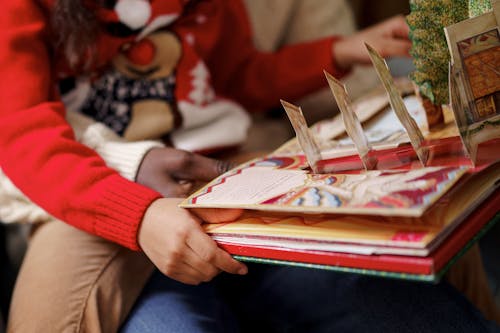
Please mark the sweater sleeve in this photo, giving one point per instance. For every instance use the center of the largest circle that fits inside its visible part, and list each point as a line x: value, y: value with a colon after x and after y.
x: 259, y: 80
x: 39, y: 152
x: 123, y: 156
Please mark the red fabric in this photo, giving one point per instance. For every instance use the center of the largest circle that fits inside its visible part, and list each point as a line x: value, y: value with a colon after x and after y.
x: 255, y: 79
x: 38, y: 151
x: 141, y: 53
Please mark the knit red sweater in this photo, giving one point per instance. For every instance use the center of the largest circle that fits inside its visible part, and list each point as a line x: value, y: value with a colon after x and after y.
x: 38, y: 150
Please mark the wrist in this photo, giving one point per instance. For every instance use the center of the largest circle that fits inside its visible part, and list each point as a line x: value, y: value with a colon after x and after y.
x: 153, y: 217
x: 150, y: 215
x: 341, y: 54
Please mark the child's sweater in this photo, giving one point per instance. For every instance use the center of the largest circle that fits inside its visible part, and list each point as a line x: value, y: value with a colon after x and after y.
x: 38, y: 150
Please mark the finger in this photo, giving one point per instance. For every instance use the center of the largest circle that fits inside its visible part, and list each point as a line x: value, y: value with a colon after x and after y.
x: 395, y: 48
x: 395, y: 27
x: 172, y: 189
x: 207, y: 271
x: 206, y: 248
x: 198, y: 167
x: 225, y: 262
x: 217, y: 215
x: 187, y: 186
x: 398, y: 27
x: 401, y: 31
x: 186, y: 274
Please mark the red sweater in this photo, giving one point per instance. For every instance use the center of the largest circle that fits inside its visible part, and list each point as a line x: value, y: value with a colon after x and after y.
x: 38, y: 150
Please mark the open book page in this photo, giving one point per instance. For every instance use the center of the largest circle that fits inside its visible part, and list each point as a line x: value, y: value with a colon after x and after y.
x: 361, y: 234
x: 280, y: 184
x: 366, y: 108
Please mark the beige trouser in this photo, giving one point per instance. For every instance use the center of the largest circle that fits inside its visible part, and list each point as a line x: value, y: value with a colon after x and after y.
x: 71, y: 281
x: 468, y: 276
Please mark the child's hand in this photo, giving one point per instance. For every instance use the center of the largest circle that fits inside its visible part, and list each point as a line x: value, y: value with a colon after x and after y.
x: 389, y: 38
x: 174, y: 241
x: 173, y: 172
x: 217, y: 215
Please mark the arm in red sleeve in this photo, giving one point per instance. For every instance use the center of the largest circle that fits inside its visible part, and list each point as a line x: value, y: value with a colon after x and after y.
x: 38, y: 150
x: 259, y: 80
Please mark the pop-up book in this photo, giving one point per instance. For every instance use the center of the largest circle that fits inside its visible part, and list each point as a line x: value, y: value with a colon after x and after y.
x: 391, y: 199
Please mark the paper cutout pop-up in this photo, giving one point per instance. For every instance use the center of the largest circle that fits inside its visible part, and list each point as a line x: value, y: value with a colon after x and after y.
x: 474, y: 46
x: 399, y: 107
x: 351, y: 122
x: 306, y: 139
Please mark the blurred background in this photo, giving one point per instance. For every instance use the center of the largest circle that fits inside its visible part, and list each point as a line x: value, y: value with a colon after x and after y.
x: 295, y: 21
x: 369, y: 12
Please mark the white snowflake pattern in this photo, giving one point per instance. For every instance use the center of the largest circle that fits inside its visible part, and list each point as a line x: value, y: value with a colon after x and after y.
x: 190, y: 39
x: 121, y: 109
x: 202, y: 92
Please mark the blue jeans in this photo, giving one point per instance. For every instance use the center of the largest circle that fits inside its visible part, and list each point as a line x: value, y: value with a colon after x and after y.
x: 290, y: 299
x: 490, y: 251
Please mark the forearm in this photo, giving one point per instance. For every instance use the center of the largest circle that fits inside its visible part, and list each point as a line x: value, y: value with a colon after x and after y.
x: 257, y: 79
x: 261, y: 79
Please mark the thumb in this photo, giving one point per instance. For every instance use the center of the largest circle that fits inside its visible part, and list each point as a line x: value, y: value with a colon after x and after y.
x: 172, y: 189
x: 203, y: 168
x: 217, y: 215
x: 395, y: 48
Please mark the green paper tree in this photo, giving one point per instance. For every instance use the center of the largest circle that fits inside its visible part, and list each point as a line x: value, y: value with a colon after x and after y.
x: 429, y: 49
x: 478, y: 7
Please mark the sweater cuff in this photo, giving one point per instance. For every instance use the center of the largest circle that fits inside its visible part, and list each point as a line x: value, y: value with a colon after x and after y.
x: 122, y: 209
x: 125, y: 157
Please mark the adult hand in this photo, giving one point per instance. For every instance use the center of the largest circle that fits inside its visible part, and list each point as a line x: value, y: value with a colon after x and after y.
x: 175, y: 242
x: 174, y: 172
x: 389, y: 38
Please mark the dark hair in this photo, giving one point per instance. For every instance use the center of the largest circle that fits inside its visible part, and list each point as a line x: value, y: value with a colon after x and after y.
x: 75, y: 27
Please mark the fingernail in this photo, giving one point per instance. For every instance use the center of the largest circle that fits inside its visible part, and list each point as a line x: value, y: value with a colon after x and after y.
x: 243, y: 270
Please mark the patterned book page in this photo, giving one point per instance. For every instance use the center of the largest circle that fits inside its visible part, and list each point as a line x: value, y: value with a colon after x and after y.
x: 281, y: 184
x: 370, y: 234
